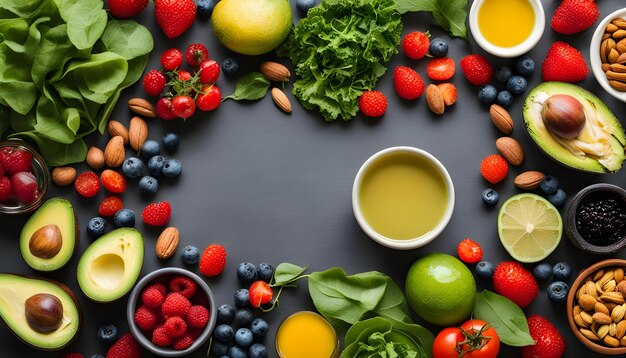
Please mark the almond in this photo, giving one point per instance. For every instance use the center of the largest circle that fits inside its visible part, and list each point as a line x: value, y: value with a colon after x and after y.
x: 95, y: 158
x: 501, y: 118
x: 117, y: 128
x: 63, y: 176
x: 621, y: 287
x: 275, y: 71
x: 529, y: 180
x: 587, y: 302
x: 137, y: 133
x: 602, y: 318
x: 281, y: 100
x: 511, y: 150
x: 114, y: 152
x: 167, y: 243
x: 620, y: 329
x: 142, y: 107
x: 434, y: 99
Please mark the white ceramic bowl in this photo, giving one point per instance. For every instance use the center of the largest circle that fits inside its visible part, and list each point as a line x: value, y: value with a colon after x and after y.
x: 594, y: 55
x: 411, y: 243
x: 508, y: 52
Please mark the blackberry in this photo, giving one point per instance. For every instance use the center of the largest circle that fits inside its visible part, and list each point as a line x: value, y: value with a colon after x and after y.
x: 601, y: 220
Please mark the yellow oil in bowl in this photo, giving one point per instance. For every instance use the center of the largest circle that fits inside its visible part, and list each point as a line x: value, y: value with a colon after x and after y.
x: 506, y: 23
x: 306, y: 334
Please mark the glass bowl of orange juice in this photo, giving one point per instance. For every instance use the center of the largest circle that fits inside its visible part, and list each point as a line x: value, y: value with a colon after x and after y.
x: 306, y: 334
x: 507, y: 28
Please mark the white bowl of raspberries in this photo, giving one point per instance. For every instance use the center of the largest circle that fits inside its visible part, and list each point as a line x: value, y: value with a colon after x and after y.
x: 171, y: 312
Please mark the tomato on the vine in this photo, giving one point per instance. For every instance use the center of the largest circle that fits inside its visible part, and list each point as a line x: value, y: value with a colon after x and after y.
x: 473, y: 339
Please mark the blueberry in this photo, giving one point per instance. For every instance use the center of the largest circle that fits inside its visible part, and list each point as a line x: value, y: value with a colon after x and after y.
x: 124, y: 218
x: 557, y: 291
x: 149, y: 149
x: 204, y: 8
x: 243, y: 317
x: 172, y: 168
x: 107, y: 333
x: 225, y: 314
x: 562, y: 271
x: 265, y: 271
x: 246, y: 272
x: 504, y: 98
x: 558, y: 199
x: 259, y: 328
x: 230, y: 66
x: 484, y: 269
x: 243, y: 337
x: 132, y: 167
x: 170, y: 142
x: 549, y: 185
x: 487, y: 94
x: 97, y: 356
x: 242, y: 298
x: 224, y: 333
x: 517, y: 84
x: 148, y: 185
x: 218, y: 348
x: 191, y: 255
x: 438, y: 47
x: 525, y: 66
x: 155, y: 165
x: 543, y: 271
x: 96, y: 227
x: 305, y: 5
x: 503, y: 73
x: 490, y: 197
x: 257, y: 350
x: 237, y: 352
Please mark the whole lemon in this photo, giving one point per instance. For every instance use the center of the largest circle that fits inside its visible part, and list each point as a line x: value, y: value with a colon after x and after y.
x: 441, y: 289
x: 252, y: 27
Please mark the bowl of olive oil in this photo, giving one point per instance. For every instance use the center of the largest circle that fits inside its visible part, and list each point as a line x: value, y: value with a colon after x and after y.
x: 403, y: 197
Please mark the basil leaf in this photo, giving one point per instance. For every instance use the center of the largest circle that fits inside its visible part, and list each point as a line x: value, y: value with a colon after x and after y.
x: 250, y: 87
x: 450, y: 15
x: 286, y: 273
x: 505, y: 316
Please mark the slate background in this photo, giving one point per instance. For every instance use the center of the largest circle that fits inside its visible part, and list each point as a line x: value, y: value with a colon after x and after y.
x: 273, y: 187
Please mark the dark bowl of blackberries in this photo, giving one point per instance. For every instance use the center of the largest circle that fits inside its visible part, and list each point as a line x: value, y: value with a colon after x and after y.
x: 596, y: 219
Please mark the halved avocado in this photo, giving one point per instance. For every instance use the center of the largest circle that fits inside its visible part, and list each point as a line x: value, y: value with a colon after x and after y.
x: 16, y: 289
x: 50, y: 235
x: 109, y: 267
x: 600, y: 145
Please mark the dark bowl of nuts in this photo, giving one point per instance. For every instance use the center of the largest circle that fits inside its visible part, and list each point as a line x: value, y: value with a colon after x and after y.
x: 596, y: 219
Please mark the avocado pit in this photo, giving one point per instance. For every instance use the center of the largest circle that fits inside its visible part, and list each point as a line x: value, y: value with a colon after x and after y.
x: 564, y: 115
x: 44, y: 312
x: 46, y: 242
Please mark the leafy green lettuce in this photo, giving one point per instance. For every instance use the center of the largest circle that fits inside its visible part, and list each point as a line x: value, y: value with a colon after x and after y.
x: 450, y: 15
x: 339, y: 51
x: 63, y: 65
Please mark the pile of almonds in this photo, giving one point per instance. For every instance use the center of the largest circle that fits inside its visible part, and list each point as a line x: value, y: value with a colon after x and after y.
x: 509, y: 147
x: 277, y: 72
x: 613, y: 53
x: 600, y: 307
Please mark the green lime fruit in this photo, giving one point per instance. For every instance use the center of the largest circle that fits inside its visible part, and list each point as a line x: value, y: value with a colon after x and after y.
x: 252, y: 27
x: 441, y: 289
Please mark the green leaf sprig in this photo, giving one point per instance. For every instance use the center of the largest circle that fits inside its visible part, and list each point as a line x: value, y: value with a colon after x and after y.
x: 250, y: 87
x: 505, y: 316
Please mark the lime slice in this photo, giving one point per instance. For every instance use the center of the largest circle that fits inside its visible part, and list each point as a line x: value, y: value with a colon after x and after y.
x: 530, y: 228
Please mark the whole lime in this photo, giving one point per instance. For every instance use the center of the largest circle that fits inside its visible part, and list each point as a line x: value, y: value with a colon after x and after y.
x: 441, y: 289
x: 252, y: 27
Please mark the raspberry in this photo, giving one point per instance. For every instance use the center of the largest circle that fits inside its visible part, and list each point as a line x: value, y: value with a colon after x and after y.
x: 198, y: 316
x: 160, y: 337
x: 159, y: 287
x: 175, y: 326
x: 73, y: 355
x: 183, y: 342
x: 6, y: 190
x: 194, y: 332
x: 152, y: 298
x: 183, y: 285
x: 175, y: 305
x: 125, y: 347
x: 213, y: 260
x: 15, y: 160
x: 157, y: 214
x: 145, y: 318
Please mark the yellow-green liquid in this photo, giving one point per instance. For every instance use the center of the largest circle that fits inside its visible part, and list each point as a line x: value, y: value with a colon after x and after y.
x: 506, y: 23
x: 403, y: 196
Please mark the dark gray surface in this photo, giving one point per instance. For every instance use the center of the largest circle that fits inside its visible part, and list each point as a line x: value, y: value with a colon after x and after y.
x: 273, y: 187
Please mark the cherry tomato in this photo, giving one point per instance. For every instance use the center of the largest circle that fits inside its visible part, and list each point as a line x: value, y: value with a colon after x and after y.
x: 475, y: 339
x: 209, y: 99
x: 183, y: 106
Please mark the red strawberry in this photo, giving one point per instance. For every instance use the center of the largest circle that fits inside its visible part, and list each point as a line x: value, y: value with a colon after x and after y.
x: 164, y: 109
x: 25, y: 187
x: 145, y: 318
x: 123, y: 9
x: 196, y: 54
x: 110, y: 205
x: 209, y: 99
x: 87, y: 184
x: 183, y: 106
x: 564, y: 63
x: 154, y: 83
x: 441, y: 69
x: 373, y: 103
x: 477, y: 70
x: 183, y: 342
x: 113, y: 181
x: 415, y: 44
x: 213, y: 260
x: 15, y: 160
x: 152, y: 298
x: 184, y: 76
x: 197, y: 317
x: 157, y: 214
x: 125, y: 347
x: 175, y: 304
x: 209, y: 72
x: 494, y: 168
x: 574, y: 16
x: 160, y: 337
x: 548, y: 341
x: 448, y: 92
x: 513, y: 281
x: 6, y: 190
x: 183, y: 285
x: 469, y: 251
x: 260, y: 293
x: 407, y: 83
x: 171, y: 59
x: 174, y: 16
x: 175, y: 326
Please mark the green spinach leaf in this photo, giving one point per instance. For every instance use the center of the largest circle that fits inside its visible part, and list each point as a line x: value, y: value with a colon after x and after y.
x: 450, y: 15
x: 287, y: 273
x: 505, y: 316
x: 250, y: 87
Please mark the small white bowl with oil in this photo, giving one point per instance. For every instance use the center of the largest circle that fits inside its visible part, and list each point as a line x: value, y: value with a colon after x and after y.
x: 403, y: 197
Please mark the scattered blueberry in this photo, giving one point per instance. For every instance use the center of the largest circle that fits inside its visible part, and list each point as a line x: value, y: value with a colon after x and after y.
x: 265, y: 271
x: 487, y: 94
x: 257, y: 350
x: 191, y: 255
x: 224, y: 333
x: 96, y: 227
x: 246, y: 272
x: 218, y: 348
x: 243, y: 337
x: 557, y: 291
x: 484, y: 269
x: 525, y: 66
x: 172, y: 168
x: 230, y: 66
x: 503, y: 73
x: 517, y: 84
x: 170, y: 142
x: 549, y: 185
x: 504, y: 98
x: 225, y: 314
x: 148, y: 185
x: 149, y: 149
x: 155, y: 165
x: 124, y: 218
x: 259, y: 328
x: 242, y: 298
x: 204, y: 8
x: 562, y: 271
x: 438, y: 47
x: 305, y: 5
x: 543, y: 271
x: 558, y: 199
x: 107, y: 333
x: 237, y: 352
x: 132, y: 167
x: 490, y: 197
x: 243, y: 317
